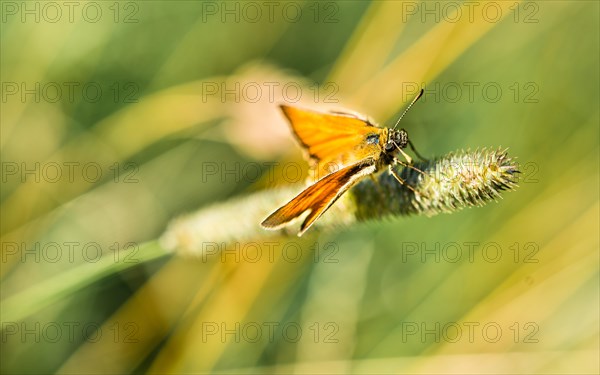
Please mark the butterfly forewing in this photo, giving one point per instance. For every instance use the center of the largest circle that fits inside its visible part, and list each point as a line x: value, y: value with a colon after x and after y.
x: 333, y: 138
x: 318, y: 197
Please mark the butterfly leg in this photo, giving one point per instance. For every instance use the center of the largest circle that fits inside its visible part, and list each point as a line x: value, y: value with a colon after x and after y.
x: 412, y: 147
x: 400, y: 179
x: 409, y: 160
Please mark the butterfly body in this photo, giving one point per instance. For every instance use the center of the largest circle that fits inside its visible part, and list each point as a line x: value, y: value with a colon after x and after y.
x: 343, y: 149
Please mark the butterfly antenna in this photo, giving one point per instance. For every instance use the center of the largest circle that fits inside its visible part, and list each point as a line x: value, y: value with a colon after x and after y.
x: 407, y: 108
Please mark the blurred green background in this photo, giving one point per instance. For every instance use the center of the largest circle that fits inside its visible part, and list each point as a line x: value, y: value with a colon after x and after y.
x: 118, y: 117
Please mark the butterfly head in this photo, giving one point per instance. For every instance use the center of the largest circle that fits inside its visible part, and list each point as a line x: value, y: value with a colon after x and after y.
x: 396, y: 139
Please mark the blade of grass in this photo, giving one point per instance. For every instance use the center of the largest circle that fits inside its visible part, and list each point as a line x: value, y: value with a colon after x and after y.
x: 31, y: 300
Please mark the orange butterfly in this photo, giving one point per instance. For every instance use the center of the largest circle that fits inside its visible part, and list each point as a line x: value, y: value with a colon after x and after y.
x: 333, y: 139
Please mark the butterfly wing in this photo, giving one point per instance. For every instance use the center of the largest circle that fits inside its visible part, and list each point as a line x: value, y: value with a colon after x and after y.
x: 334, y: 138
x: 318, y: 197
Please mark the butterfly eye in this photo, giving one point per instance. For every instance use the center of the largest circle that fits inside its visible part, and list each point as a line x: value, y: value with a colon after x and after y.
x: 401, y: 138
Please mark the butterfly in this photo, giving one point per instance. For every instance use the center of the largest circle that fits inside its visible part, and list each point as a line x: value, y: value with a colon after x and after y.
x: 335, y: 139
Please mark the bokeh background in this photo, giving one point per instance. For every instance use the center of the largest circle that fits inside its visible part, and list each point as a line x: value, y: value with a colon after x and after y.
x: 118, y: 117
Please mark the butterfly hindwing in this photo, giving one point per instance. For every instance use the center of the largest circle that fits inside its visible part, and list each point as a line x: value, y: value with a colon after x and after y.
x: 318, y: 197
